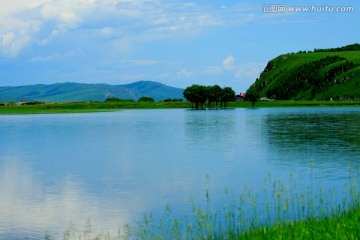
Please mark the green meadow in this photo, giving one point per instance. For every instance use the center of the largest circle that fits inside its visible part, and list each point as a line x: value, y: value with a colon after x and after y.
x: 84, y: 107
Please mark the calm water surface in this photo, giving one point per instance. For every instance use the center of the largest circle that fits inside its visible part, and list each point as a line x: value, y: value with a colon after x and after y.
x: 109, y: 168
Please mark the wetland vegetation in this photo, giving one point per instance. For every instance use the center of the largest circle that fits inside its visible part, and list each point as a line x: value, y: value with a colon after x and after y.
x: 279, y: 212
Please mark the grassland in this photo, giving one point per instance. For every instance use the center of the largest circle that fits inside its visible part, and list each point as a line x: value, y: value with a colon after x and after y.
x: 86, y: 107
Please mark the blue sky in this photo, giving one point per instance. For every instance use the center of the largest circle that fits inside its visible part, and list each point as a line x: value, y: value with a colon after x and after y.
x: 178, y: 43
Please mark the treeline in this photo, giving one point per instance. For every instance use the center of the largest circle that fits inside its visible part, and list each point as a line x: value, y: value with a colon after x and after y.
x: 202, y: 97
x: 309, y: 77
x: 142, y: 99
x: 351, y: 47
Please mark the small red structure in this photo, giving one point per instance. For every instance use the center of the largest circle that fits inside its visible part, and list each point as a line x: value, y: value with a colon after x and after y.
x: 240, y: 97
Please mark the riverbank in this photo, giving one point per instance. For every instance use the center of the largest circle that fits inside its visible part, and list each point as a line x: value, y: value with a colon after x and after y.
x: 85, y: 107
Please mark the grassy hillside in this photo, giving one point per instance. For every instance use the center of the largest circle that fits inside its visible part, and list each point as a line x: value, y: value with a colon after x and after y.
x: 318, y: 75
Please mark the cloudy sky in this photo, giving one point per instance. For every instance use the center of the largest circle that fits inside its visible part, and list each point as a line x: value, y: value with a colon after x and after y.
x: 178, y: 43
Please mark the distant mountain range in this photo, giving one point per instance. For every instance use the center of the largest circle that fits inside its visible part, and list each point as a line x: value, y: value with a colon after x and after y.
x: 66, y: 92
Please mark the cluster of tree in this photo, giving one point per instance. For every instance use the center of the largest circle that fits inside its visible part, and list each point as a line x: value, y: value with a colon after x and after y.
x: 309, y: 77
x: 301, y: 52
x: 142, y: 99
x: 146, y: 99
x: 201, y: 97
x: 34, y: 103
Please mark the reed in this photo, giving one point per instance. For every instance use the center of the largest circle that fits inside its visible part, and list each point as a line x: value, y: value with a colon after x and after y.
x: 278, y: 212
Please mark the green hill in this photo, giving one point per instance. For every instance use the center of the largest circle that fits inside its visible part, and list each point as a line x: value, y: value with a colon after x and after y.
x: 67, y: 92
x: 319, y: 75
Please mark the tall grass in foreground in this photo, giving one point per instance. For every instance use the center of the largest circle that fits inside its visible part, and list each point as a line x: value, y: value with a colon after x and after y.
x: 278, y: 212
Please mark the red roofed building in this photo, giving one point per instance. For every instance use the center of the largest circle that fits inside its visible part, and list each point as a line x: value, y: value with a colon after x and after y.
x: 240, y: 97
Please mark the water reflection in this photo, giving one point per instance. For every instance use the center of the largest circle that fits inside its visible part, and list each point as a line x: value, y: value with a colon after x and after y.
x: 28, y: 208
x: 326, y: 131
x: 323, y: 139
x: 211, y: 129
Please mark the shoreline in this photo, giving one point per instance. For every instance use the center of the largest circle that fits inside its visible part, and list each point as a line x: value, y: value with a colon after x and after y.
x: 89, y: 107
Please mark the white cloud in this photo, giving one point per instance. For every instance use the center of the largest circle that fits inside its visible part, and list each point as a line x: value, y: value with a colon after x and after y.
x: 249, y: 70
x: 19, y: 5
x: 11, y: 43
x: 67, y: 14
x: 185, y: 74
x: 229, y: 63
x: 107, y: 31
x: 27, y: 22
x: 50, y: 38
x: 15, y: 31
x: 21, y: 21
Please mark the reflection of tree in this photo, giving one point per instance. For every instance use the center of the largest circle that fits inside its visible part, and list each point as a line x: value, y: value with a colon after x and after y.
x: 324, y: 131
x: 210, y: 128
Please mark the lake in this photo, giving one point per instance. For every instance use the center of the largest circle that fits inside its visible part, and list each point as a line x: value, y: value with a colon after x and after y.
x: 63, y: 170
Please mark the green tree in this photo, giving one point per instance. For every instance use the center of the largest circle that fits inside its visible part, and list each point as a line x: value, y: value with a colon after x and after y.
x: 252, y: 95
x: 196, y: 95
x: 189, y: 94
x: 227, y: 95
x: 214, y: 95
